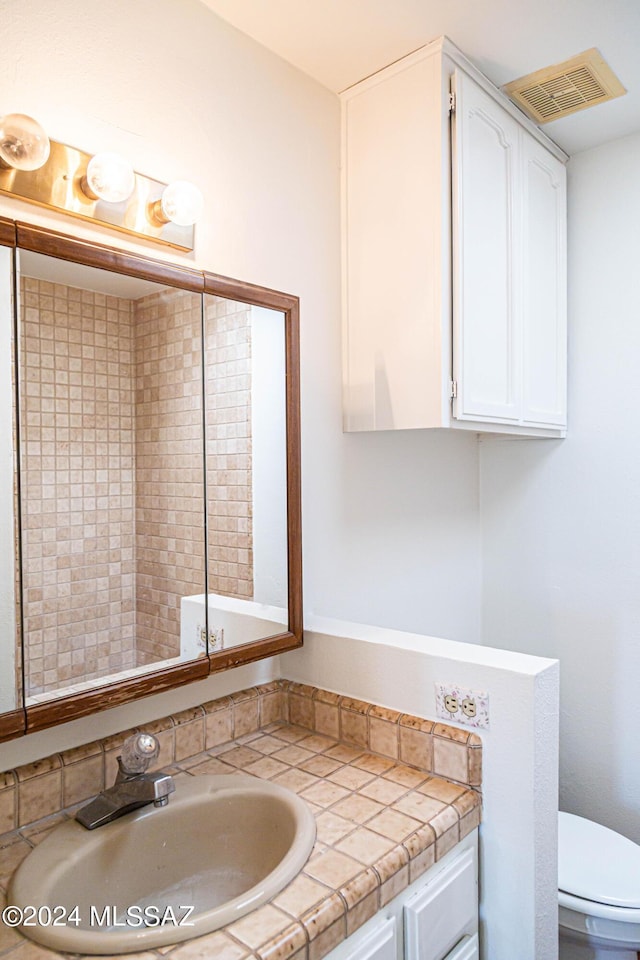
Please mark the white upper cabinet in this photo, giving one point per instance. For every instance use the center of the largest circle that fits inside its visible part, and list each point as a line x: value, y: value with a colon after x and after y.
x: 454, y: 269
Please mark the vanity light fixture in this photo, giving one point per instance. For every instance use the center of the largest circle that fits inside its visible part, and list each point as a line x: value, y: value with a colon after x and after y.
x: 101, y: 187
x: 109, y: 177
x: 24, y: 145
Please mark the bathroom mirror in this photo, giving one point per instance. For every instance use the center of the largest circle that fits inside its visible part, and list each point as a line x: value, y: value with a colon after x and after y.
x: 156, y: 445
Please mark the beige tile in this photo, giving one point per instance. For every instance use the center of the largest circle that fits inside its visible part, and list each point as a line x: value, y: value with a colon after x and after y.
x: 357, y: 808
x: 466, y: 802
x: 317, y: 743
x: 384, y: 791
x: 321, y: 916
x: 344, y: 753
x: 451, y: 733
x: 8, y: 819
x: 447, y: 841
x: 396, y: 883
x: 32, y: 951
x: 377, y: 765
x: 36, y: 833
x: 291, y: 942
x: 8, y: 936
x: 296, y: 780
x: 12, y: 854
x: 416, y: 748
x: 215, y: 945
x: 324, y: 793
x: 266, y: 768
x: 417, y: 805
x: 245, y: 717
x: 354, y: 728
x: 239, y: 756
x: 293, y: 755
x: 290, y: 733
x: 332, y: 828
x: 408, y: 776
x: 360, y: 887
x: 441, y: 789
x: 218, y: 728
x: 469, y: 822
x: 40, y: 797
x: 450, y: 760
x: 332, y: 868
x: 301, y: 711
x: 394, y: 825
x: 327, y: 719
x: 189, y: 739
x: 383, y: 737
x: 422, y: 862
x: 365, y: 846
x: 301, y: 894
x: 211, y: 765
x: 326, y: 941
x: 260, y: 926
x: 475, y: 766
x: 320, y: 765
x: 351, y: 777
x: 82, y: 780
x: 363, y: 911
x: 266, y: 745
x: 271, y: 707
x: 38, y: 768
x: 444, y: 820
x: 416, y: 723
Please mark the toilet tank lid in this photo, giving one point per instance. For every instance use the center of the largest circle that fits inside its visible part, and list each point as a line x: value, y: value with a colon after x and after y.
x: 596, y: 863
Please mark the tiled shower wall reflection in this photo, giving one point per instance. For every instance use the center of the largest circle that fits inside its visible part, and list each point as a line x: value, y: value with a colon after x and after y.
x: 112, y: 483
x: 77, y: 484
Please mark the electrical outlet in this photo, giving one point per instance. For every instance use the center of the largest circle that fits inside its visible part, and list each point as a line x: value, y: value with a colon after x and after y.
x: 470, y: 707
x: 216, y: 638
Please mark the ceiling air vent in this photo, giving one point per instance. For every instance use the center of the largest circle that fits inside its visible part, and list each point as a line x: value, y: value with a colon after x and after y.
x: 557, y: 91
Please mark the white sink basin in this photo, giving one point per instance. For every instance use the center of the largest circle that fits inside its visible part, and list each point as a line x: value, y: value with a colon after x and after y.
x: 224, y: 845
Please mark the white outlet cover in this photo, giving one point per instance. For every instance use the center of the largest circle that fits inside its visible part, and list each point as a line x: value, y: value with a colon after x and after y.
x: 458, y: 704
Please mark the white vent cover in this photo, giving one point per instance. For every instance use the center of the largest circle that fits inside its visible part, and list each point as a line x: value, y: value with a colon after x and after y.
x: 557, y: 91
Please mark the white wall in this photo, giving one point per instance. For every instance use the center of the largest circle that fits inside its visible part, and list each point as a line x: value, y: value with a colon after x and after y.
x: 518, y: 873
x: 561, y: 519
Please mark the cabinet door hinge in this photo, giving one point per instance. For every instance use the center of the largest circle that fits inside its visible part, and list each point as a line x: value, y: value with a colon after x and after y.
x: 452, y: 102
x: 453, y: 392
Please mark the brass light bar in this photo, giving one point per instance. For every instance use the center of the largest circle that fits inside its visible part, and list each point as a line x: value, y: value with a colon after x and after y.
x: 58, y: 185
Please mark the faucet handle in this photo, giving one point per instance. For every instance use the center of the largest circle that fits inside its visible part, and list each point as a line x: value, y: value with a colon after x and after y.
x: 138, y: 752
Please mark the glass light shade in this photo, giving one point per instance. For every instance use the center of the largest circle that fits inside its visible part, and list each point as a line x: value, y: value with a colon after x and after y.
x: 110, y: 177
x: 182, y: 203
x: 24, y: 145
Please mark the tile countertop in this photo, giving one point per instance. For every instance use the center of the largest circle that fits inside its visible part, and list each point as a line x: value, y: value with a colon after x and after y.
x: 380, y: 825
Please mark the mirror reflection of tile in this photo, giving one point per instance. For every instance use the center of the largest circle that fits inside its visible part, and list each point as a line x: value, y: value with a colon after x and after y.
x: 113, y: 531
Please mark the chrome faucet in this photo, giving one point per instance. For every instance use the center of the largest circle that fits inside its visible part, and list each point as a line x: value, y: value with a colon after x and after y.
x: 134, y: 787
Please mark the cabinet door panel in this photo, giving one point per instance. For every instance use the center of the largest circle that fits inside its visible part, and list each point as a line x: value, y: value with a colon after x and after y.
x: 486, y: 347
x: 467, y: 949
x: 544, y: 285
x: 444, y: 911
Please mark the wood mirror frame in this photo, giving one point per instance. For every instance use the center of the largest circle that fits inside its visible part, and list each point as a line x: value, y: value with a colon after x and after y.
x: 28, y: 719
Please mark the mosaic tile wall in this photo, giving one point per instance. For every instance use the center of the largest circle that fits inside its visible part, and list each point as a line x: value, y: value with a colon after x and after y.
x: 78, y: 442
x: 113, y: 519
x: 229, y: 476
x: 169, y: 481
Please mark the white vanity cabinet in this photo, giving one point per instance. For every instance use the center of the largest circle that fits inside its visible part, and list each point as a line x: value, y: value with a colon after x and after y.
x: 454, y: 255
x: 436, y: 918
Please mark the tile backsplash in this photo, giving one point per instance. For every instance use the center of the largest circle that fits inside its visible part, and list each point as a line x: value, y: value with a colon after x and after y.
x: 47, y: 786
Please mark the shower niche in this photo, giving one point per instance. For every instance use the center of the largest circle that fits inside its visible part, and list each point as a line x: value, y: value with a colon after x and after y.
x: 155, y: 502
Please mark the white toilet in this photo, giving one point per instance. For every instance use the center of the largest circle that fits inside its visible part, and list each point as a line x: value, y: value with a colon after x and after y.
x: 598, y: 892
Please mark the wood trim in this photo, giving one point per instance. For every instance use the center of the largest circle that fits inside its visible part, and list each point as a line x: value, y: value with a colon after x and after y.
x: 53, y: 244
x: 294, y: 458
x: 251, y: 293
x: 7, y: 233
x: 12, y: 724
x: 43, y: 715
x: 249, y: 652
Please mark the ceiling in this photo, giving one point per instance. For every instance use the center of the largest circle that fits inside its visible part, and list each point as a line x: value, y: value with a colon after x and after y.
x: 338, y: 42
